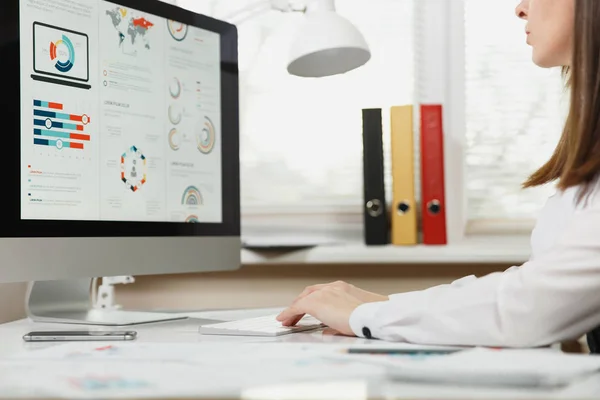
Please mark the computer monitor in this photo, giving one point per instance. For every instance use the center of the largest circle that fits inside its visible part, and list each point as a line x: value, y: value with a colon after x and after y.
x: 121, y: 125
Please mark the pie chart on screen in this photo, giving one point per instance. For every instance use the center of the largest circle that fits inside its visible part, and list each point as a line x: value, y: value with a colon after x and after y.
x: 175, y: 88
x: 205, y: 136
x: 177, y: 30
x: 175, y: 114
x: 62, y: 52
x: 174, y: 139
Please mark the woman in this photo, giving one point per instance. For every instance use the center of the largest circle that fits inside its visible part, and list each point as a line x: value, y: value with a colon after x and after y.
x: 553, y: 297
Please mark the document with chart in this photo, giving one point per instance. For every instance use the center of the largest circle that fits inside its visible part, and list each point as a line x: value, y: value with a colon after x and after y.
x: 121, y: 115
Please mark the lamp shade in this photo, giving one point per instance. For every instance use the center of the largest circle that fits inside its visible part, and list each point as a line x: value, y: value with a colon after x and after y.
x: 327, y: 44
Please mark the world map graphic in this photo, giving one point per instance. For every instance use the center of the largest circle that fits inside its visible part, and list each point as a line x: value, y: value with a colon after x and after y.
x: 130, y: 27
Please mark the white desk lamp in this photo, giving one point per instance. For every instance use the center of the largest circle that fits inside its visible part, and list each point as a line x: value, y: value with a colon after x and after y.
x: 325, y: 44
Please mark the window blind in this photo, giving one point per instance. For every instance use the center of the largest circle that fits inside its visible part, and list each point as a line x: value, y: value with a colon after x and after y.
x: 515, y: 112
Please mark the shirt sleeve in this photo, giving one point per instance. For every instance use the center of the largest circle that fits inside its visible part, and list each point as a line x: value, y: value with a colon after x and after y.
x: 552, y: 298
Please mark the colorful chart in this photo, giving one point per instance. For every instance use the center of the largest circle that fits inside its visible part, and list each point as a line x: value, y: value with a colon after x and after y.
x: 104, y: 383
x: 175, y: 114
x: 177, y: 30
x: 57, y: 54
x: 174, y: 139
x: 102, y: 351
x: 192, y: 219
x: 49, y: 123
x: 191, y: 196
x: 51, y: 128
x: 175, y: 88
x: 205, y: 136
x: 142, y: 23
x: 58, y: 143
x: 127, y: 25
x: 133, y: 168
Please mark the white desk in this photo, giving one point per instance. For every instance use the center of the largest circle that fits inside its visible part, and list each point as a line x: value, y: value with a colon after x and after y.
x: 371, y: 384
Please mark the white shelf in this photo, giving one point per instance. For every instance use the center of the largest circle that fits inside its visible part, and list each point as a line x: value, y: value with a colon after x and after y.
x: 482, y: 250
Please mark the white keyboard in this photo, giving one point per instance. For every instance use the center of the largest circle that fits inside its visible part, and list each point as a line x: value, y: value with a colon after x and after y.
x: 261, y: 326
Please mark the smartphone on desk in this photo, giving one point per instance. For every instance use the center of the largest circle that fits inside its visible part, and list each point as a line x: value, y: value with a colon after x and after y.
x: 79, y: 336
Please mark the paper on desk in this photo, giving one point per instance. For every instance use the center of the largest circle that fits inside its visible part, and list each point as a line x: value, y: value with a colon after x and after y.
x: 87, y: 370
x: 195, y: 353
x: 532, y: 367
x: 205, y: 351
x: 96, y: 380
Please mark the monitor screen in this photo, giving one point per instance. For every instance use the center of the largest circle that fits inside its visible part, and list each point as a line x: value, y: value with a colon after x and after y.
x: 120, y: 115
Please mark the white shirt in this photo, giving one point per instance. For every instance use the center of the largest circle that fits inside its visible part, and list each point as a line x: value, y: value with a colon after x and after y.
x: 554, y: 296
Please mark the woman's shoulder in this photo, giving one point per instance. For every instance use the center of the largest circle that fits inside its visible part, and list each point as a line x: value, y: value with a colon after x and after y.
x: 587, y: 196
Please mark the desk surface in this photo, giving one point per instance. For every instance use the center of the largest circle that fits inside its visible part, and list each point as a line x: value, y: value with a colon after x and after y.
x: 182, y: 331
x: 370, y: 383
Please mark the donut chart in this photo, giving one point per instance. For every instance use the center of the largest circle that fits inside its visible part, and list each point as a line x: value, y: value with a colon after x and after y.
x: 177, y: 30
x: 133, y: 168
x: 175, y: 89
x: 174, y: 139
x: 192, y: 196
x: 63, y: 66
x: 205, y: 136
x: 175, y: 114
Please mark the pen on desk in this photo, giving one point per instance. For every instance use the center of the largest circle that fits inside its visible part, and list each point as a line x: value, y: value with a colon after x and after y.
x: 392, y: 351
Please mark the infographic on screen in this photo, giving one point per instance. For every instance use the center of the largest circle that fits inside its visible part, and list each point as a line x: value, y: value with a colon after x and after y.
x: 60, y: 171
x: 56, y: 128
x: 131, y: 29
x: 121, y: 115
x: 177, y: 30
x: 61, y: 55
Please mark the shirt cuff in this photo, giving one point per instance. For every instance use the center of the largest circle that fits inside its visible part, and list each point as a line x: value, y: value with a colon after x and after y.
x: 363, y: 318
x: 370, y: 319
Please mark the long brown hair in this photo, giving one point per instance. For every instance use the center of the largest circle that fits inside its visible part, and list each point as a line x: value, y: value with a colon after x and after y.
x: 576, y: 159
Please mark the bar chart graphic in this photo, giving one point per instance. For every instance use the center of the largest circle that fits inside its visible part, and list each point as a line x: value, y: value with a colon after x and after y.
x: 54, y: 127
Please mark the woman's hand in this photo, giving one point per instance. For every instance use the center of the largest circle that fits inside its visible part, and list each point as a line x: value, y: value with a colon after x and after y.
x: 331, y: 305
x: 362, y: 295
x: 293, y: 314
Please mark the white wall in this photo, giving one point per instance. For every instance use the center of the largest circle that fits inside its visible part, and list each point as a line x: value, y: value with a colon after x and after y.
x: 276, y: 286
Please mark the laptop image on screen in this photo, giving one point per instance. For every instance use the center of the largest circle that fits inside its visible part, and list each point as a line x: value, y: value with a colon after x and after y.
x: 60, y: 56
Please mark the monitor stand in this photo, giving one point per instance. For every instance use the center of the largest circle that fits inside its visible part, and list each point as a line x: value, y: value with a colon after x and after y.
x: 68, y: 302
